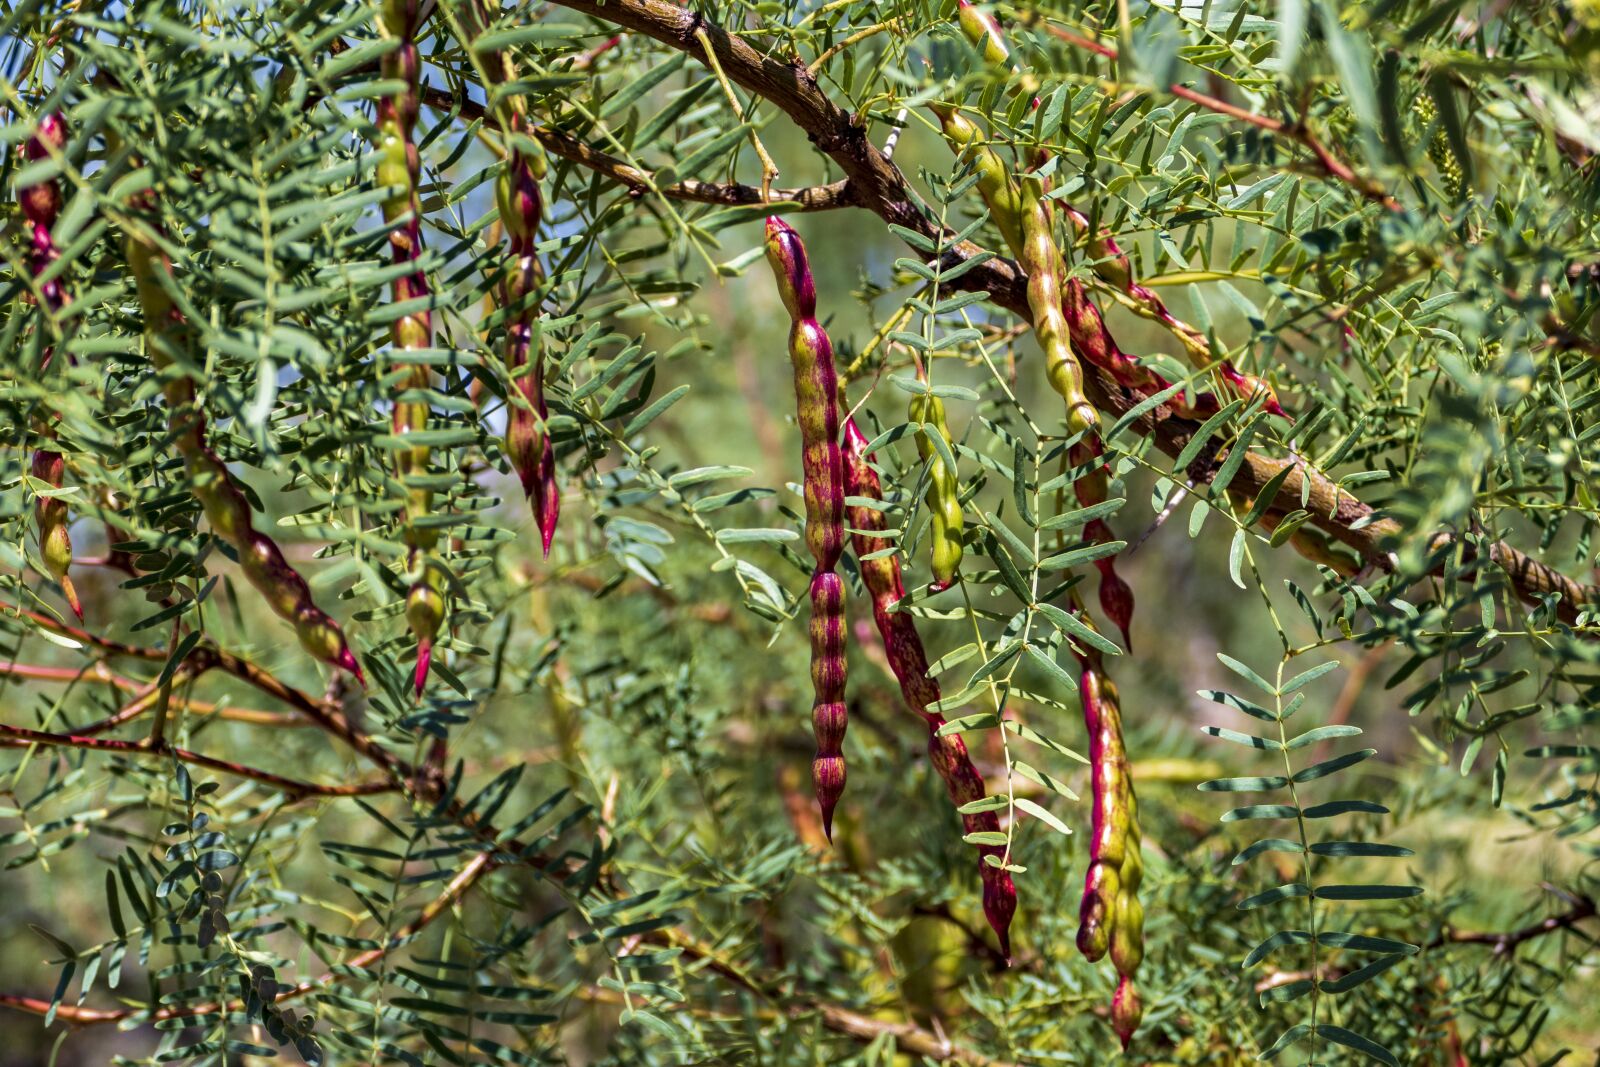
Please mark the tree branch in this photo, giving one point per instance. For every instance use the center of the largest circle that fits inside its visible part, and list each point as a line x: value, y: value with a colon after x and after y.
x: 909, y: 1036
x: 875, y: 182
x: 23, y: 737
x: 1328, y: 161
x: 810, y: 198
x: 880, y: 187
x: 1500, y: 942
x: 1504, y: 942
x: 83, y: 637
x: 99, y: 672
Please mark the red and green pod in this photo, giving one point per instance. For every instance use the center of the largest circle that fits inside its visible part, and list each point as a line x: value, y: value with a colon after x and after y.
x: 41, y: 203
x: 50, y: 516
x: 816, y: 386
x: 1110, y: 916
x: 225, y: 505
x: 399, y: 168
x: 527, y: 439
x: 880, y: 573
x: 1111, y: 265
x: 1116, y: 596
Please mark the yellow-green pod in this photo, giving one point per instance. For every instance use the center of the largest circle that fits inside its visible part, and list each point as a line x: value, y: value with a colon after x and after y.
x: 944, y: 492
x: 995, y: 185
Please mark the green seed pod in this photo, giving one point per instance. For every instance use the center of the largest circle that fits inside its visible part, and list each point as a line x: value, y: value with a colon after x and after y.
x: 1042, y: 263
x: 1000, y: 194
x: 943, y: 497
x: 1127, y: 933
x: 1108, y: 261
x: 816, y: 386
x: 981, y: 28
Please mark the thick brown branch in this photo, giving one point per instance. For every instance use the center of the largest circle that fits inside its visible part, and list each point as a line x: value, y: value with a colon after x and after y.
x: 875, y: 181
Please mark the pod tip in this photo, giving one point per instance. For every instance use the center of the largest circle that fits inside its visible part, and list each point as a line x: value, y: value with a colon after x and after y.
x: 347, y: 660
x: 70, y: 593
x: 424, y: 661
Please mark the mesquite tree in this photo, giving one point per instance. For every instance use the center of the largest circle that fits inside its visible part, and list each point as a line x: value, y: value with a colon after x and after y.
x: 452, y: 445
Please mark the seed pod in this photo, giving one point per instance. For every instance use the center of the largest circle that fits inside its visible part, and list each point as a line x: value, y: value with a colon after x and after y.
x: 1110, y: 915
x: 1126, y: 1010
x: 41, y: 203
x: 527, y: 441
x: 1008, y: 208
x: 1097, y: 911
x: 225, y: 505
x: 1000, y: 194
x: 399, y: 168
x: 1099, y: 348
x: 1249, y: 386
x: 50, y: 515
x: 943, y: 497
x: 909, y: 662
x: 981, y: 27
x: 425, y: 609
x: 1042, y: 263
x: 1109, y: 262
x: 1116, y: 597
x: 816, y: 386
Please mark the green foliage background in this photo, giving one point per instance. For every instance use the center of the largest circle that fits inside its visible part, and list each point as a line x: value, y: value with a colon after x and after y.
x: 632, y: 712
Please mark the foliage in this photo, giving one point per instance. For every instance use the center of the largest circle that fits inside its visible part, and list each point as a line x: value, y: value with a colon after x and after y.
x: 1328, y: 275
